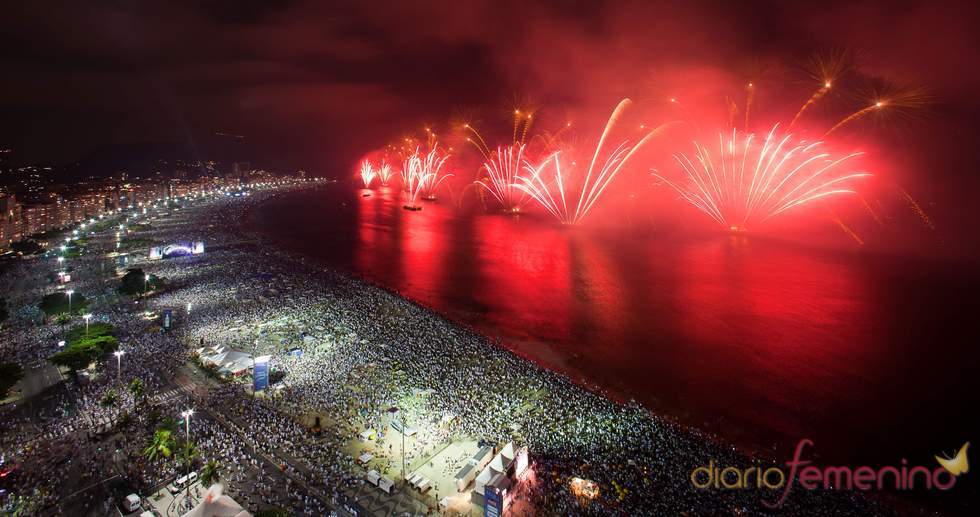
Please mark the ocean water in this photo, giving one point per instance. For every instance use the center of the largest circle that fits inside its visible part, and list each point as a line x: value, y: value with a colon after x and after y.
x: 761, y: 342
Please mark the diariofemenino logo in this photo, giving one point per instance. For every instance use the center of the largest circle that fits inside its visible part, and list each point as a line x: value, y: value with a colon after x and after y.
x: 812, y: 477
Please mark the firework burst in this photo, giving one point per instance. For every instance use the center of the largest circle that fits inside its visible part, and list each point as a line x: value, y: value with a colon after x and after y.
x: 422, y: 174
x: 826, y: 71
x: 504, y: 169
x: 887, y: 101
x: 385, y: 174
x: 368, y: 173
x: 569, y: 198
x: 745, y: 182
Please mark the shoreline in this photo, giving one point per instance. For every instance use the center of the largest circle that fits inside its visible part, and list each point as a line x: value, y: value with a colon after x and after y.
x: 668, y: 425
x: 363, y: 350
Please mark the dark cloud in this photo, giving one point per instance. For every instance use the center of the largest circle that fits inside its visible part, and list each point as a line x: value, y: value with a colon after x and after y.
x: 315, y: 84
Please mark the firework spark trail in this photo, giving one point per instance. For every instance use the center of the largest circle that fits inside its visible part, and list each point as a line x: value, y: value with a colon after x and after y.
x: 889, y: 100
x: 817, y: 95
x: 480, y: 143
x: 874, y: 215
x: 825, y: 70
x: 917, y: 209
x: 847, y: 229
x: 549, y: 140
x: 527, y: 126
x: 854, y: 116
x: 749, y: 97
x: 553, y: 195
x: 385, y: 174
x: 503, y: 173
x: 367, y: 173
x: 732, y: 110
x: 756, y: 183
x: 517, y: 119
x: 421, y: 174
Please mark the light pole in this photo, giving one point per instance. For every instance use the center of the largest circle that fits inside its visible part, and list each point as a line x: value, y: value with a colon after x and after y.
x: 403, y: 445
x: 146, y: 281
x: 69, y: 293
x: 119, y: 354
x: 86, y: 317
x: 187, y: 429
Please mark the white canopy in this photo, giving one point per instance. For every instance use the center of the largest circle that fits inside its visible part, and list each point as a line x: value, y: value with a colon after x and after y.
x: 215, y: 504
x: 508, y: 451
x: 483, y: 479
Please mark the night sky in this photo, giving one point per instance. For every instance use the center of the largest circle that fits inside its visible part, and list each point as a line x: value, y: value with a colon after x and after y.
x: 316, y: 84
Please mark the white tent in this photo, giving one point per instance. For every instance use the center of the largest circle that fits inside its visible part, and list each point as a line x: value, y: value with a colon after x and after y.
x: 508, y: 451
x: 500, y: 463
x: 215, y: 504
x: 228, y: 358
x: 483, y: 479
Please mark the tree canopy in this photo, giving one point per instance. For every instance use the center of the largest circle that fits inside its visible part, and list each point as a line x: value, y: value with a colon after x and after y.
x: 57, y: 303
x: 84, y: 348
x: 26, y: 247
x: 10, y: 373
x: 135, y: 282
x: 161, y: 445
x: 79, y: 332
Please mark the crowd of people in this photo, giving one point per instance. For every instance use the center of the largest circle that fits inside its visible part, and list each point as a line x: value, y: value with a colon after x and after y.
x: 346, y: 351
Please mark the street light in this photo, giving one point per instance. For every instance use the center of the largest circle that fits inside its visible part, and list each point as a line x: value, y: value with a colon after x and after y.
x: 69, y: 293
x: 86, y: 317
x: 187, y: 429
x: 146, y: 281
x: 118, y: 354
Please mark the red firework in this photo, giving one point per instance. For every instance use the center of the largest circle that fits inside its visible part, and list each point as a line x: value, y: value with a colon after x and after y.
x: 504, y: 169
x: 745, y: 182
x: 422, y: 174
x: 368, y: 173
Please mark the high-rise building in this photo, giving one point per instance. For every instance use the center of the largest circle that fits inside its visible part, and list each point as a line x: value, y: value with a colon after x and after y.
x: 6, y: 155
x: 10, y: 220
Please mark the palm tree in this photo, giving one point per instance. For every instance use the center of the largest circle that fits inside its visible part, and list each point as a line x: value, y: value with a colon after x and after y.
x: 211, y: 473
x: 108, y: 400
x: 136, y: 388
x: 188, y: 453
x: 161, y: 445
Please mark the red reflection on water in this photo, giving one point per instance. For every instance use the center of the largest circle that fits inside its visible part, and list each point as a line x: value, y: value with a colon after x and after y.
x: 776, y: 325
x: 762, y: 342
x: 524, y: 277
x: 376, y: 240
x: 422, y: 249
